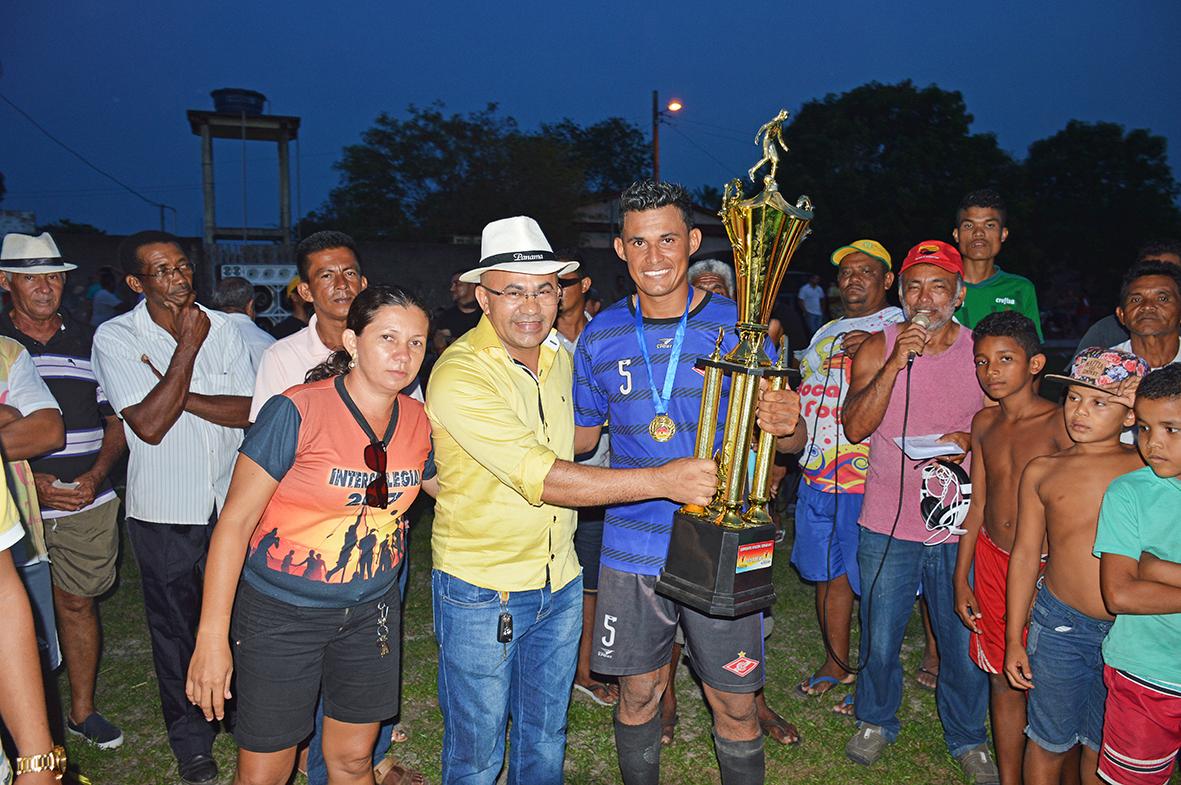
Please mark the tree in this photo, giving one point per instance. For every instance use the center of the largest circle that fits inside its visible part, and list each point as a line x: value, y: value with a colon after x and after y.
x: 1095, y: 194
x: 66, y: 226
x: 890, y: 162
x: 431, y: 176
x: 708, y: 196
x: 613, y: 153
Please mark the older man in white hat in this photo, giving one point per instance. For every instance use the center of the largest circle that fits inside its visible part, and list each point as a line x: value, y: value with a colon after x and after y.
x: 73, y: 489
x: 506, y: 582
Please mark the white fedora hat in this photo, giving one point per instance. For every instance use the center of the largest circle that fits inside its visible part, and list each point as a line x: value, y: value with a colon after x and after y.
x: 516, y: 245
x: 23, y: 253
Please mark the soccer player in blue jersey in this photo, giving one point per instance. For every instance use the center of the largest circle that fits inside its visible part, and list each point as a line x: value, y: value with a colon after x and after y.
x: 634, y: 368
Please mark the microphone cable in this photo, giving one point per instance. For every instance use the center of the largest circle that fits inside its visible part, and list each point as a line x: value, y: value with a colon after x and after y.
x: 866, y: 597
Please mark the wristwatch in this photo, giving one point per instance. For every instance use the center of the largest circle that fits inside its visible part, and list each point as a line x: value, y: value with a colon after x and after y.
x: 54, y: 761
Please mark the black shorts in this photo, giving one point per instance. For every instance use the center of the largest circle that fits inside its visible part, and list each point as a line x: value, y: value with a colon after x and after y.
x: 286, y: 657
x: 635, y: 626
x: 588, y: 542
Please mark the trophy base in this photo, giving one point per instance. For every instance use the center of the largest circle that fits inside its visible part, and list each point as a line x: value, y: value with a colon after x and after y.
x: 717, y: 571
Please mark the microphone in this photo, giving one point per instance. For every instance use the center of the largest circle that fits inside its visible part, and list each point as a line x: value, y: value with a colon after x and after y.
x: 923, y: 321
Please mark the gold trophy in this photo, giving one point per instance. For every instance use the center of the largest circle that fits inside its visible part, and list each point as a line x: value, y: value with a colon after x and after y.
x: 719, y: 556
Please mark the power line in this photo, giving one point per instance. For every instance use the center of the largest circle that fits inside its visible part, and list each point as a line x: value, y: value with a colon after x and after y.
x: 86, y: 161
x: 729, y: 169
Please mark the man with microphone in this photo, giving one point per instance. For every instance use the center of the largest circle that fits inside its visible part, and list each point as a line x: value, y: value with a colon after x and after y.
x: 911, y: 380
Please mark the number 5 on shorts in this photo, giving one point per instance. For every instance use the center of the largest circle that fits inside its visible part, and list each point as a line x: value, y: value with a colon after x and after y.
x: 609, y: 639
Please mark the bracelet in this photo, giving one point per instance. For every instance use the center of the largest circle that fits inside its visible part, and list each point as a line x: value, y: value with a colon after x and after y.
x: 54, y: 761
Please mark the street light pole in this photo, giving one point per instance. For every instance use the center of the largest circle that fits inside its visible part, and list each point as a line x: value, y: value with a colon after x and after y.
x: 658, y: 115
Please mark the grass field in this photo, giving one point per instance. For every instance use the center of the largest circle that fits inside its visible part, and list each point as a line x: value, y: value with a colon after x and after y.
x: 128, y: 696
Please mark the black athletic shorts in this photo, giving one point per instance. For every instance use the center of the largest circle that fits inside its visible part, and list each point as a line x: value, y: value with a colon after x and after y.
x: 286, y: 656
x: 635, y: 626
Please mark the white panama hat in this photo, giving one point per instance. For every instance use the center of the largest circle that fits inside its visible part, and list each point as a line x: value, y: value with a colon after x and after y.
x: 24, y: 253
x: 516, y: 245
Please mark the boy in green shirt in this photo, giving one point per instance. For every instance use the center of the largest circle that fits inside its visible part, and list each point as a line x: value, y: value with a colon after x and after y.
x: 1139, y: 546
x: 980, y: 232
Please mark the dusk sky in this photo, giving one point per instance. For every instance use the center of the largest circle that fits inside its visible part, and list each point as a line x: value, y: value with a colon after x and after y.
x: 113, y: 80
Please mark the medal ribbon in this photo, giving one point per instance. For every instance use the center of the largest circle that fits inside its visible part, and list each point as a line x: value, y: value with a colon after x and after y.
x: 660, y: 400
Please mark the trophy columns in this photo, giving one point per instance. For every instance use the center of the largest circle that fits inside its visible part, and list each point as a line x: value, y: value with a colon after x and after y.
x: 757, y: 514
x: 711, y: 395
x: 719, y: 558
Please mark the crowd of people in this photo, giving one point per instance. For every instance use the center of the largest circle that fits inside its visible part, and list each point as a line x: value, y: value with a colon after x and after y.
x: 268, y: 485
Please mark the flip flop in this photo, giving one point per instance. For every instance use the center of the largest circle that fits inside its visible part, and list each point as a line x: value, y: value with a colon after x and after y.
x: 389, y: 772
x: 780, y: 730
x: 599, y: 692
x: 398, y: 734
x: 845, y: 707
x: 809, y: 687
x: 933, y: 675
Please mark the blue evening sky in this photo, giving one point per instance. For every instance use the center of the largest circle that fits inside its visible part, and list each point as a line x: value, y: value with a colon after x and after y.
x: 114, y: 79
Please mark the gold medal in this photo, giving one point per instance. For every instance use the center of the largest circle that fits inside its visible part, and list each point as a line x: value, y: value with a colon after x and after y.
x: 662, y: 428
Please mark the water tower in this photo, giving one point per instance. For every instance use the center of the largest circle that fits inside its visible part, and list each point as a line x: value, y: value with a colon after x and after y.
x: 261, y: 254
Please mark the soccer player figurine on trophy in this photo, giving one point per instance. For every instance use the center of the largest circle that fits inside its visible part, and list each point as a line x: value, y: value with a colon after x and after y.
x: 719, y: 557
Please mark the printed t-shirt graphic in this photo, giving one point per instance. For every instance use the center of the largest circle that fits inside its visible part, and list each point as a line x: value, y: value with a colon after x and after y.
x: 318, y: 542
x: 826, y: 371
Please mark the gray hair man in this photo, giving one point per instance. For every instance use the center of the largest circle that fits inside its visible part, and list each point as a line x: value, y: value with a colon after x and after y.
x: 234, y: 296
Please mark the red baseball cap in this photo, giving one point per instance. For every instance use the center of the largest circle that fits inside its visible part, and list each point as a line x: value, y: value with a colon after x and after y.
x: 934, y: 252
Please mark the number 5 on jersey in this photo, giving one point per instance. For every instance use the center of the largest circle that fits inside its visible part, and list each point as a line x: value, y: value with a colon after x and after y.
x: 626, y: 375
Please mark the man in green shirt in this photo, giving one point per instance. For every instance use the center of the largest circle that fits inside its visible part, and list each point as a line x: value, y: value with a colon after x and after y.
x: 979, y: 232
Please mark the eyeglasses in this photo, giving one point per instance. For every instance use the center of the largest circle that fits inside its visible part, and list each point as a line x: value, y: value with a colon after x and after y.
x: 165, y: 273
x: 377, y: 493
x: 515, y: 297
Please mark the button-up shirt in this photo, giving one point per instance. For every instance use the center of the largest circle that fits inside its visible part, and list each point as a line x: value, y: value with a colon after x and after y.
x: 182, y: 478
x: 498, y: 429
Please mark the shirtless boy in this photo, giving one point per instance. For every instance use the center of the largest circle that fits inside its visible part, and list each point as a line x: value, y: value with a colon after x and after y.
x: 1005, y: 438
x: 1059, y: 504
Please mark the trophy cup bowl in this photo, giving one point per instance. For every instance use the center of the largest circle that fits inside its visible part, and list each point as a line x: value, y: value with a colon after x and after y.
x: 720, y: 556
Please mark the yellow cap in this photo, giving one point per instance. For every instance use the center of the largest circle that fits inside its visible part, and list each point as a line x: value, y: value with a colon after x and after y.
x: 868, y: 247
x: 289, y: 290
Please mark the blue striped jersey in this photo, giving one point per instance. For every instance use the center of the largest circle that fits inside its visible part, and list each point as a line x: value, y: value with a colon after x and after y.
x: 611, y: 385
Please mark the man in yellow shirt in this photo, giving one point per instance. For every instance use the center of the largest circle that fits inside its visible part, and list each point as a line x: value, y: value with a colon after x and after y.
x: 507, y: 586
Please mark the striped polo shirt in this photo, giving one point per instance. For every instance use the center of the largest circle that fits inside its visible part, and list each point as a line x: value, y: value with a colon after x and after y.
x: 63, y: 362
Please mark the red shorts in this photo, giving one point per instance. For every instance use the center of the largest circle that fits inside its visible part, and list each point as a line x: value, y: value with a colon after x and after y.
x: 991, y: 569
x: 1141, y: 730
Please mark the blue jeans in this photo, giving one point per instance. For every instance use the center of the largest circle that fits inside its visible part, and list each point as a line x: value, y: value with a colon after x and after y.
x: 962, y: 689
x: 482, y: 682
x: 1066, y: 657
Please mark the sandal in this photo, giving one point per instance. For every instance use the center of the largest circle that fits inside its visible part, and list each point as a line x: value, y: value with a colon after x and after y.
x: 398, y: 734
x: 390, y: 772
x: 814, y: 686
x: 780, y: 730
x: 600, y: 692
x: 927, y: 679
x: 845, y: 707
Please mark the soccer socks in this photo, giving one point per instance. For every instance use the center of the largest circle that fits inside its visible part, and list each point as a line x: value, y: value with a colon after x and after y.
x: 639, y: 751
x: 741, y: 762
